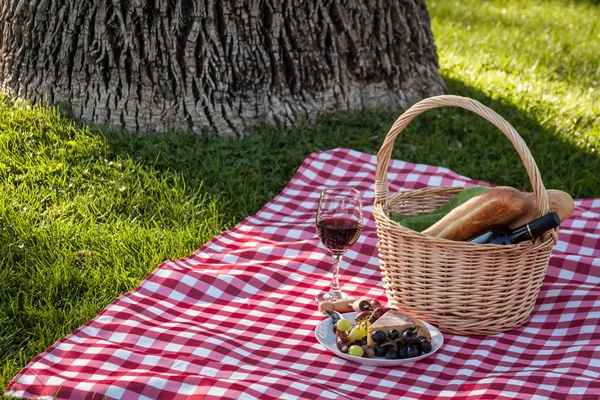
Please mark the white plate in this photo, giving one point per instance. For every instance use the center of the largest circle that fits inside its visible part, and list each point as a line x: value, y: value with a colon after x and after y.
x: 325, y: 336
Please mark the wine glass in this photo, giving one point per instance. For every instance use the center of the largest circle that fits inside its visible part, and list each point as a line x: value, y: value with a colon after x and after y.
x: 339, y: 222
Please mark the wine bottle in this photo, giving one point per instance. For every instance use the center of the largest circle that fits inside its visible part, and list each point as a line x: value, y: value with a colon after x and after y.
x: 526, y: 232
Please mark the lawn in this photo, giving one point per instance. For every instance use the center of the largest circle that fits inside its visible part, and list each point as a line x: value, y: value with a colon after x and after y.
x: 85, y: 215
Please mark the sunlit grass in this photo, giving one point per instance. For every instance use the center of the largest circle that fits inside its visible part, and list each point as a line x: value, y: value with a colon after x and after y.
x: 541, y: 57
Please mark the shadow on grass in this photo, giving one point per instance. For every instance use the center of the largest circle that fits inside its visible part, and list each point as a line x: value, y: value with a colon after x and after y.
x: 248, y: 173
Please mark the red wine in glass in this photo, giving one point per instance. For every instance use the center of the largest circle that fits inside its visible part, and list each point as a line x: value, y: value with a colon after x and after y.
x: 338, y: 233
x: 339, y: 222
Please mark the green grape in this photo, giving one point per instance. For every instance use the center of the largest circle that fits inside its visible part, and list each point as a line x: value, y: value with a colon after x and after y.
x: 355, y: 334
x: 343, y: 324
x: 356, y: 351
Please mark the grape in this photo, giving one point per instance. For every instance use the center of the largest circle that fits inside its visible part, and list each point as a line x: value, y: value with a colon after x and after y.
x: 368, y: 352
x: 343, y: 324
x: 364, y: 340
x: 357, y: 343
x: 401, y: 351
x: 356, y: 351
x: 374, y: 304
x: 409, y: 336
x: 355, y: 334
x: 393, y: 334
x: 364, y: 305
x: 378, y: 337
x: 363, y: 315
x: 342, y: 344
x: 413, y: 351
x: 380, y: 311
x: 391, y: 354
x: 380, y: 351
x: 425, y: 345
x: 376, y: 314
x: 341, y: 341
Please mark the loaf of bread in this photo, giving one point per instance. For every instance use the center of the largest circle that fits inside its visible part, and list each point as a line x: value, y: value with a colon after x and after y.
x: 491, y: 209
x: 560, y: 202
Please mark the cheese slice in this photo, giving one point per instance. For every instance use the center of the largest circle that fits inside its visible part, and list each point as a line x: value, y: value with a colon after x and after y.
x: 397, y: 320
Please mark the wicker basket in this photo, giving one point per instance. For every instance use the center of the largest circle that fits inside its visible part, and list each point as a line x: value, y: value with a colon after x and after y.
x: 463, y: 288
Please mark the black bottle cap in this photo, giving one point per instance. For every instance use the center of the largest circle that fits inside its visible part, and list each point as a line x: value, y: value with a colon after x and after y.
x: 543, y: 224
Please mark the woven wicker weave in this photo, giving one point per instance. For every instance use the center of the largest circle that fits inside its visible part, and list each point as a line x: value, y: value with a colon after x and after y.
x: 463, y: 288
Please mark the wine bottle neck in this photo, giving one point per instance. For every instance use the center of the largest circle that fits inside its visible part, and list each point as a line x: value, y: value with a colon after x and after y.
x: 543, y: 224
x: 521, y: 234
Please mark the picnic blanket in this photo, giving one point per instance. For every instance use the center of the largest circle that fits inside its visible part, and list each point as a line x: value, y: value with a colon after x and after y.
x: 236, y: 319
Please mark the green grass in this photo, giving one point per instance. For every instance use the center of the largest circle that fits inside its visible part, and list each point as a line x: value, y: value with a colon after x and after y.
x: 86, y: 215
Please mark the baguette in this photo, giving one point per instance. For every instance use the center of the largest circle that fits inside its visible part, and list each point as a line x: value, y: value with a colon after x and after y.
x: 560, y: 202
x: 493, y: 208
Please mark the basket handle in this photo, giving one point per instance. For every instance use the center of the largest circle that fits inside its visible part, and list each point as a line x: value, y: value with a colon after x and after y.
x: 383, y: 156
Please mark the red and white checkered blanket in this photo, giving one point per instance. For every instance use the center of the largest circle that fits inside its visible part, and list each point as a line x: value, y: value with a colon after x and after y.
x: 236, y: 319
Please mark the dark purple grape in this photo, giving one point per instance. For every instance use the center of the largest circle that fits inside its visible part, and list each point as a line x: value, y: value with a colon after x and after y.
x: 378, y: 337
x: 358, y: 342
x: 342, y: 344
x: 380, y: 351
x: 409, y: 336
x: 391, y: 354
x: 401, y: 351
x: 393, y: 334
x: 413, y: 350
x: 374, y: 304
x: 380, y: 311
x: 361, y: 316
x: 364, y: 340
x: 364, y: 305
x: 425, y: 345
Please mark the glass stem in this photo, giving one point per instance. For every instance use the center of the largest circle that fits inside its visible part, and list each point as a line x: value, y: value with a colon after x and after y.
x: 335, y: 277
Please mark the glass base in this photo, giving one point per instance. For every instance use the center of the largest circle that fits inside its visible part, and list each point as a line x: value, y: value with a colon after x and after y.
x: 333, y: 295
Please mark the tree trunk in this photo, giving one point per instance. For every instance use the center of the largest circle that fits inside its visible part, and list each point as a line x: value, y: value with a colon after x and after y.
x: 227, y: 65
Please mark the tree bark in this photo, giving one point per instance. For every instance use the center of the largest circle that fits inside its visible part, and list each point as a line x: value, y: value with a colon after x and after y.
x: 226, y: 65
